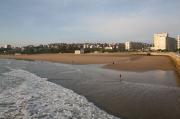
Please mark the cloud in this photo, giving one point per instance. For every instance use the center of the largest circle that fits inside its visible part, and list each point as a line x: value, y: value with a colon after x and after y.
x: 93, y: 20
x: 135, y: 27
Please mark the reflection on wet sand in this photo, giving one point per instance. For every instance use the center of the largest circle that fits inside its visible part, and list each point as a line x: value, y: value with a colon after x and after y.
x: 140, y: 95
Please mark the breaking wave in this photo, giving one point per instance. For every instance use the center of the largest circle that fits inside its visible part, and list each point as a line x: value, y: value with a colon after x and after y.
x: 25, y: 95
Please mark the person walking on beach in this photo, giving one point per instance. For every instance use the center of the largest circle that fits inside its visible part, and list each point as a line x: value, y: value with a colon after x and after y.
x: 120, y: 76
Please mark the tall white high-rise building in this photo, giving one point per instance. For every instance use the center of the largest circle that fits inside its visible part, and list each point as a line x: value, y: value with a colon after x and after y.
x: 162, y: 41
x: 178, y: 42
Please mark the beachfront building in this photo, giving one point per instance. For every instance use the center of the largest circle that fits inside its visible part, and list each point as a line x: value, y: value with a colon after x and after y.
x: 78, y: 52
x: 108, y: 48
x: 134, y: 46
x: 178, y: 42
x: 7, y: 46
x: 162, y: 41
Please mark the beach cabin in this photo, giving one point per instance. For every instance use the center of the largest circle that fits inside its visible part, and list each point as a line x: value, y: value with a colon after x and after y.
x: 78, y: 52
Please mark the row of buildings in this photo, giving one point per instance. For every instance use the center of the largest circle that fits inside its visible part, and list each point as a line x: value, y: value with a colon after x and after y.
x: 161, y: 41
x: 137, y: 46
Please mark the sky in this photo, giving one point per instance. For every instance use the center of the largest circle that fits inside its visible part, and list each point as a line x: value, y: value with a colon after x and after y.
x: 24, y: 22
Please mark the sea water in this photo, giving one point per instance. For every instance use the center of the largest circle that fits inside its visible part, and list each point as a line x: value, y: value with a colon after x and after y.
x: 151, y: 94
x: 25, y: 95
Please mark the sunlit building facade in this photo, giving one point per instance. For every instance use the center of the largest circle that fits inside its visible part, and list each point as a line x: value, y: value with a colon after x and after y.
x: 162, y: 41
x: 178, y: 42
x: 134, y: 46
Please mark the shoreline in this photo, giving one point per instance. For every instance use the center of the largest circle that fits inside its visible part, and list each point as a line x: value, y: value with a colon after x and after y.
x: 174, y: 58
x: 114, y: 61
x: 107, y: 92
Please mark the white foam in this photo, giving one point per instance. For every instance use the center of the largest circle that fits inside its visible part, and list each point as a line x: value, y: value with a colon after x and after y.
x: 38, y: 98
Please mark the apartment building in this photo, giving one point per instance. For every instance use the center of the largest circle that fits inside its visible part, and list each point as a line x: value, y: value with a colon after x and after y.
x: 178, y: 42
x: 162, y: 41
x: 134, y: 46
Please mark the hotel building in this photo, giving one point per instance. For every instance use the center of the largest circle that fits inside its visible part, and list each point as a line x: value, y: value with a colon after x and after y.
x: 178, y: 42
x: 162, y: 41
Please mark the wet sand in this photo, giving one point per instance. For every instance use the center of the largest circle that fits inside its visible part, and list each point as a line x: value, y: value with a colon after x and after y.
x: 152, y: 96
x: 115, y: 61
x: 144, y: 63
x: 140, y: 95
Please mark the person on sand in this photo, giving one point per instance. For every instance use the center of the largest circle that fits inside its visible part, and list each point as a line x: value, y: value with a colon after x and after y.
x: 120, y: 77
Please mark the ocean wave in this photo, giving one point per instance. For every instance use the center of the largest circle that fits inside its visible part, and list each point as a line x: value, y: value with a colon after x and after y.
x: 35, y: 97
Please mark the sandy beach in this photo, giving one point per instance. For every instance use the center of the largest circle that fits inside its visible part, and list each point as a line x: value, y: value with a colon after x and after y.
x: 113, y: 61
x: 138, y: 95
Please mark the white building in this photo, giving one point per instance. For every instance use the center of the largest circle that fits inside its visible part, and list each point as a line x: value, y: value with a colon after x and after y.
x: 178, y: 42
x: 162, y: 41
x: 78, y: 52
x: 127, y: 45
x: 86, y: 45
x: 7, y: 46
x: 108, y: 48
x: 134, y: 46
